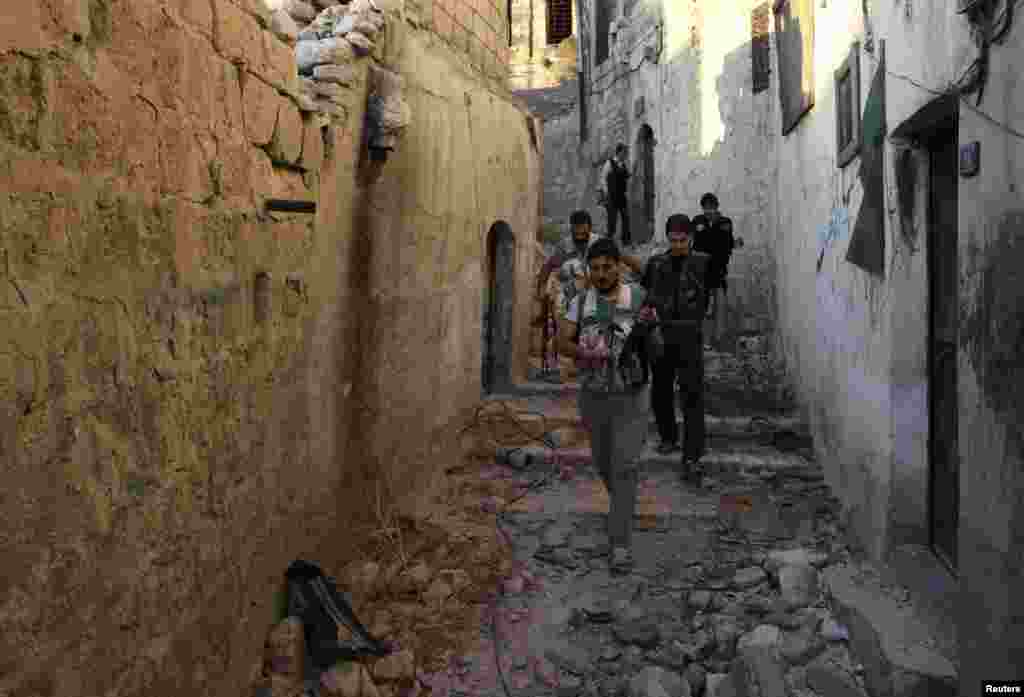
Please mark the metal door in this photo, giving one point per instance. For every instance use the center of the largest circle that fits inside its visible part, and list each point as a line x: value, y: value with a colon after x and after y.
x: 943, y: 270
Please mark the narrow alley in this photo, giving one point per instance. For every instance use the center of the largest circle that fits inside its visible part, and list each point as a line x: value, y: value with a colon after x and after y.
x: 281, y: 282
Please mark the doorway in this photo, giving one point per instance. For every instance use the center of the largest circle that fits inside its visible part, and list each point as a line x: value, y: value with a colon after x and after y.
x: 642, y: 194
x: 499, y: 294
x: 943, y: 275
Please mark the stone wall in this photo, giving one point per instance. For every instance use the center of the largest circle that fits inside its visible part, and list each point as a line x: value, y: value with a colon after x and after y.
x: 181, y: 370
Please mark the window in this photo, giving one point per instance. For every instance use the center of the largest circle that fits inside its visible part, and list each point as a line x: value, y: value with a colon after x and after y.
x: 848, y: 107
x: 760, y: 54
x: 559, y: 20
x: 794, y: 37
x: 604, y: 23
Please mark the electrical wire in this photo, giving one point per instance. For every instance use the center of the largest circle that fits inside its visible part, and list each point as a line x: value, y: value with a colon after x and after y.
x: 950, y: 92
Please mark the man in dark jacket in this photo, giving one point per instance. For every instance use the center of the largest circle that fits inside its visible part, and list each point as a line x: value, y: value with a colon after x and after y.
x: 676, y: 284
x: 612, y: 190
x: 713, y: 235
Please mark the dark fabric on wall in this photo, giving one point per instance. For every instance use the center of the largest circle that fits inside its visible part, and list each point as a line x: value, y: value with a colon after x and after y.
x: 604, y: 23
x: 867, y: 242
x: 794, y: 25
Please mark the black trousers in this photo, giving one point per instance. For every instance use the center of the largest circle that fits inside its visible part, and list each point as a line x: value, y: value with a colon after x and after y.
x: 614, y: 212
x: 683, y: 361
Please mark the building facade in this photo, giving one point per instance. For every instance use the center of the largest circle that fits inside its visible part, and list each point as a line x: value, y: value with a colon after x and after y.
x: 899, y: 219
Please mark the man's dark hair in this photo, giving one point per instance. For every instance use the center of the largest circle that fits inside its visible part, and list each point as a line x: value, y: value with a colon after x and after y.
x: 604, y: 247
x: 678, y: 222
x: 709, y: 200
x: 620, y: 147
x: 580, y: 218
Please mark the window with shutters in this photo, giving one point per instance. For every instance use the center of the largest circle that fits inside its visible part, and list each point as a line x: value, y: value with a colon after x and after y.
x: 760, y: 52
x: 603, y: 23
x: 559, y: 20
x: 794, y: 42
x: 848, y: 107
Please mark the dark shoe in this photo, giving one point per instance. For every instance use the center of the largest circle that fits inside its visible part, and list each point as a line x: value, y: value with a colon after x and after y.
x: 667, y: 447
x: 620, y: 561
x: 690, y: 470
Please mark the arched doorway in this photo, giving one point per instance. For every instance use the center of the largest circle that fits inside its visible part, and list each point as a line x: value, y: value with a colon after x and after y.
x: 642, y: 184
x: 499, y: 294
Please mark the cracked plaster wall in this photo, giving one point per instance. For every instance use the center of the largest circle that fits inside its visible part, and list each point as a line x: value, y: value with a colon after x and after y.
x: 711, y: 132
x: 468, y: 162
x: 173, y: 432
x: 857, y: 345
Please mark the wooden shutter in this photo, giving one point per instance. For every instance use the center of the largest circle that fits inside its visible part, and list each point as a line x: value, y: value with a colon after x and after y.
x: 794, y: 35
x: 760, y: 52
x: 559, y: 20
x: 604, y: 23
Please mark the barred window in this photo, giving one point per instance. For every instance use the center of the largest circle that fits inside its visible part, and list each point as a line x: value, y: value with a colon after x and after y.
x: 559, y: 20
x: 760, y: 49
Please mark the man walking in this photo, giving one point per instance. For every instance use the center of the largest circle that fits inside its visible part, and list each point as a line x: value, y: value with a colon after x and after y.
x: 611, y: 406
x: 713, y: 235
x: 612, y: 192
x: 570, y: 258
x: 676, y: 284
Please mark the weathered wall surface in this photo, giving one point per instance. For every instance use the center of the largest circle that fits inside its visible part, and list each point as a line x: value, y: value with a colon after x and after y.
x: 835, y: 320
x: 179, y: 367
x: 711, y: 133
x: 991, y: 365
x: 171, y: 433
x: 857, y: 345
x: 467, y: 161
x: 475, y: 29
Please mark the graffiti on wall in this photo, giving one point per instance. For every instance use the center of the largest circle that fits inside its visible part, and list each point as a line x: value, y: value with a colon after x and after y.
x: 835, y: 230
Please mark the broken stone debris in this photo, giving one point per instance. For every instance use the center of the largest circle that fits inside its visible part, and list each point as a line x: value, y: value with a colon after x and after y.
x: 326, y: 45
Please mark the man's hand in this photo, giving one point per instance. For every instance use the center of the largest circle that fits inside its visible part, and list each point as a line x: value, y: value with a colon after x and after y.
x: 647, y: 314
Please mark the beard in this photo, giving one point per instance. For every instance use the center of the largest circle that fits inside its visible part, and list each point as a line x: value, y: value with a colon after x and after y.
x: 607, y: 287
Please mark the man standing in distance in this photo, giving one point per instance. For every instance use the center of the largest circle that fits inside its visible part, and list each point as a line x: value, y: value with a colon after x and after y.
x: 612, y: 192
x: 713, y: 235
x: 613, y: 409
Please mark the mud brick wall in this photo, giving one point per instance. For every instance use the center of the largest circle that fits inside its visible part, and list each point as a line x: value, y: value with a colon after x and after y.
x: 171, y: 356
x: 477, y: 29
x: 178, y: 366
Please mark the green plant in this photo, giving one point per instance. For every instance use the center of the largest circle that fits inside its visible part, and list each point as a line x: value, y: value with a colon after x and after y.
x: 550, y: 233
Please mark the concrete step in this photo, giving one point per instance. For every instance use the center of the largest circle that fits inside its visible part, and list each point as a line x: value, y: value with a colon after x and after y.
x: 901, y: 655
x: 745, y: 459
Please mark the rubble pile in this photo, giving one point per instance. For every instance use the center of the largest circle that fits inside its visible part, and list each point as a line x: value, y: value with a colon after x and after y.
x: 331, y: 41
